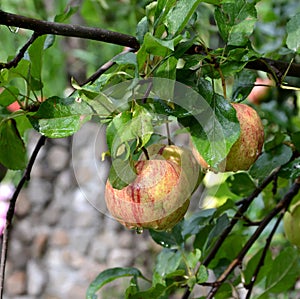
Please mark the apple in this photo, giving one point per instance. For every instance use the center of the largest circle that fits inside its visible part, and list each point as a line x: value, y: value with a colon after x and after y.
x: 247, y: 148
x: 291, y: 224
x: 159, y: 196
x: 261, y: 91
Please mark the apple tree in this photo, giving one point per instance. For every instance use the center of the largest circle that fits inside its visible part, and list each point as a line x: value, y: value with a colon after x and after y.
x: 221, y: 74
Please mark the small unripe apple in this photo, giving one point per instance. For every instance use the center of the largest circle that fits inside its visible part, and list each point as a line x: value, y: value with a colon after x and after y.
x: 159, y: 196
x: 291, y: 224
x: 248, y: 147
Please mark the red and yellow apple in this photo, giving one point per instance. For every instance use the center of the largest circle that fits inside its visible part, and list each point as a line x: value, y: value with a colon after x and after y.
x: 248, y: 147
x: 159, y: 196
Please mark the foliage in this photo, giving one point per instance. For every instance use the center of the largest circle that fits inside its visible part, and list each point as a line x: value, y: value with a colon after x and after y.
x: 208, y: 48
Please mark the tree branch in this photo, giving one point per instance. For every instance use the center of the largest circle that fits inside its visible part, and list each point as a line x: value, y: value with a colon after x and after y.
x: 45, y: 27
x: 280, y: 68
x: 278, y: 208
x: 263, y: 256
x: 14, y: 62
x: 11, y: 211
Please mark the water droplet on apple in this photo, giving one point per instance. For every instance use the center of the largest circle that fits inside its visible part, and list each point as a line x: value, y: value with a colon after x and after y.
x: 139, y: 230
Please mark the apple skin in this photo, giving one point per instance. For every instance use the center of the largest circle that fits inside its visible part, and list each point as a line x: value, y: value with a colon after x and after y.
x: 159, y: 196
x: 247, y: 148
x: 181, y: 156
x: 152, y: 200
x: 291, y: 224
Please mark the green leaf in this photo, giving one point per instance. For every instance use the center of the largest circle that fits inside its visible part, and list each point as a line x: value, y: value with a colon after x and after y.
x: 36, y: 52
x: 60, y: 117
x: 236, y: 21
x: 291, y: 170
x: 141, y: 29
x: 168, y: 239
x: 240, y: 184
x: 8, y: 96
x: 109, y: 275
x: 167, y: 262
x: 167, y: 69
x: 159, y: 47
x: 296, y: 140
x: 192, y: 225
x: 253, y: 263
x: 202, y: 274
x: 179, y: 15
x: 71, y: 10
x: 243, y: 85
x: 129, y: 127
x: 216, y: 132
x: 121, y: 173
x: 269, y: 160
x: 284, y: 272
x: 193, y: 257
x: 12, y: 147
x: 156, y: 291
x: 221, y: 223
x: 293, y: 33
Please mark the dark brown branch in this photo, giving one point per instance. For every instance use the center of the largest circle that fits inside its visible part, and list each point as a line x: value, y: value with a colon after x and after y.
x: 262, y: 257
x: 45, y: 27
x: 14, y: 62
x: 284, y: 203
x: 245, y: 203
x: 279, y: 68
x: 11, y: 211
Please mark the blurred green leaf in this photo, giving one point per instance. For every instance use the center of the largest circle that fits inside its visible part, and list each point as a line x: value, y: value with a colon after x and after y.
x: 240, y: 184
x: 270, y: 160
x: 109, y: 275
x: 60, y: 117
x: 192, y: 225
x: 202, y: 274
x: 71, y: 10
x: 8, y: 95
x: 283, y: 274
x: 157, y: 291
x: 296, y: 140
x: 167, y: 262
x: 12, y: 147
x: 193, y: 257
x: 291, y: 170
x: 253, y: 263
x: 141, y: 29
x: 293, y: 33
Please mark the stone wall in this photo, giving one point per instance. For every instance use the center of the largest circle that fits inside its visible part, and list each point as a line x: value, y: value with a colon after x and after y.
x: 62, y: 236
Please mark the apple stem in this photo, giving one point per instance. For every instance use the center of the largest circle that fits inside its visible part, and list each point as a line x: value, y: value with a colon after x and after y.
x: 168, y: 134
x: 146, y: 153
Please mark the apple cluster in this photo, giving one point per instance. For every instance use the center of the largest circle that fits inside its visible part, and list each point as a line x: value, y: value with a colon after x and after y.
x: 167, y: 176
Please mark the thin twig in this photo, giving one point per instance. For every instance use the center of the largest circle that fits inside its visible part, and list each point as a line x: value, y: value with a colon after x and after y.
x: 11, y: 211
x: 14, y: 62
x: 245, y: 203
x: 278, y: 208
x: 263, y: 256
x: 105, y: 67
